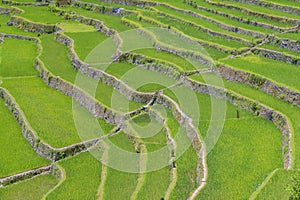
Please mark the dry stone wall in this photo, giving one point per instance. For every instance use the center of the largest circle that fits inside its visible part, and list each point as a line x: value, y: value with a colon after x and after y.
x: 16, y: 3
x: 272, y: 88
x: 293, y: 45
x: 42, y: 148
x: 280, y: 120
x: 99, y: 8
x: 220, y: 24
x: 254, y: 13
x: 28, y: 26
x: 104, y: 77
x: 139, y: 3
x: 210, y: 32
x: 152, y: 64
x: 239, y: 19
x: 274, y: 6
x: 4, y: 11
x: 185, y: 37
x: 24, y: 175
x: 275, y: 55
x: 39, y: 146
x: 184, y: 120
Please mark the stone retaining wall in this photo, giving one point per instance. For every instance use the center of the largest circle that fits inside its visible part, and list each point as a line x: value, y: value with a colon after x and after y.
x: 104, y: 77
x: 152, y: 64
x: 274, y: 6
x: 28, y: 26
x: 4, y: 11
x: 246, y: 21
x: 167, y: 48
x: 191, y: 132
x: 24, y: 175
x: 263, y: 84
x: 275, y: 55
x: 140, y: 97
x: 254, y: 13
x: 184, y: 121
x: 256, y: 108
x: 138, y: 3
x: 16, y: 3
x: 94, y: 107
x: 293, y: 45
x: 184, y: 36
x: 99, y: 8
x: 98, y: 25
x: 39, y: 146
x: 42, y: 148
x: 220, y: 24
x: 208, y: 31
x: 97, y: 109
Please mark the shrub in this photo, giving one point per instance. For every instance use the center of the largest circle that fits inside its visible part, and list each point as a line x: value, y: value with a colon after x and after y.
x: 294, y: 188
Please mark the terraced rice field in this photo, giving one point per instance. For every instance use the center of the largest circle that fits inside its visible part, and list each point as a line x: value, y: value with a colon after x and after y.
x: 156, y: 100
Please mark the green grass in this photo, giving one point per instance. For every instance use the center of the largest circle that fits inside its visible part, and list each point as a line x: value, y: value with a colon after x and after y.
x: 48, y: 111
x: 219, y: 18
x: 11, y: 29
x: 21, y: 65
x: 292, y: 112
x: 237, y: 148
x: 155, y: 184
x: 200, y: 22
x: 136, y: 77
x: 277, y: 185
x: 280, y: 72
x: 186, y: 175
x: 186, y: 166
x: 176, y: 42
x: 40, y: 14
x: 137, y: 20
x: 120, y: 184
x: 183, y: 63
x: 32, y: 189
x: 110, y: 4
x: 66, y: 71
x: 110, y: 21
x: 282, y: 50
x: 158, y: 140
x: 247, y: 151
x: 75, y: 27
x: 261, y: 9
x: 124, y: 183
x: 247, y: 16
x: 147, y: 126
x: 83, y: 176
x: 19, y: 155
x: 286, y: 3
x: 229, y: 11
x: 195, y: 32
x: 85, y: 42
x: 293, y: 35
x: 52, y: 50
x: 31, y: 1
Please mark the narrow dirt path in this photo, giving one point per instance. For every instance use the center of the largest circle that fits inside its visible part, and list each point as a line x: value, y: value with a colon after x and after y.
x: 142, y: 176
x: 263, y: 184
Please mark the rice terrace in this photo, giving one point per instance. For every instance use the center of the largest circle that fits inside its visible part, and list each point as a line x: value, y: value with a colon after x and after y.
x: 152, y: 100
